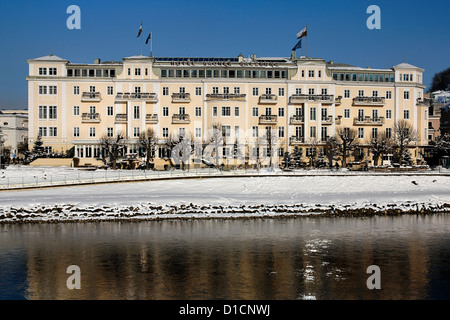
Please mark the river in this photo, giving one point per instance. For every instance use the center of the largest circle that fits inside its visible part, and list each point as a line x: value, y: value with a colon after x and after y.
x: 289, y: 258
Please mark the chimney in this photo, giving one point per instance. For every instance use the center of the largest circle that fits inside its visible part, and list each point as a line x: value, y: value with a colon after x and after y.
x: 97, y: 61
x: 254, y: 57
x: 240, y: 57
x: 331, y: 61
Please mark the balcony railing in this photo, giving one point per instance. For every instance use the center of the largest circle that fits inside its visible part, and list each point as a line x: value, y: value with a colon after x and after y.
x: 297, y: 119
x: 180, y: 119
x: 133, y: 96
x: 90, y: 117
x: 268, y: 98
x: 369, y: 101
x: 181, y: 97
x: 151, y: 118
x: 327, y: 120
x: 225, y: 96
x: 337, y: 120
x: 296, y: 140
x: 268, y: 119
x: 121, y: 118
x: 302, y: 98
x: 423, y: 102
x: 91, y: 97
x: 338, y: 100
x: 368, y: 121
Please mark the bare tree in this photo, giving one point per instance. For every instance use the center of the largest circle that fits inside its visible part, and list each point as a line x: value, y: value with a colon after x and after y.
x: 148, y: 141
x: 404, y: 135
x: 214, y: 141
x: 443, y: 143
x: 270, y: 139
x: 380, y: 145
x: 181, y: 148
x: 346, y: 139
x: 312, y: 143
x: 112, y: 146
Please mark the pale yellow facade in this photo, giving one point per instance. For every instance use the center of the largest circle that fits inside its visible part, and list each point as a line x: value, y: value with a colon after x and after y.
x: 302, y: 99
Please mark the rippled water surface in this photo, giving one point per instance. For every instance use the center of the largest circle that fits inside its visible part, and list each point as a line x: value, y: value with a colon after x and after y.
x: 295, y: 258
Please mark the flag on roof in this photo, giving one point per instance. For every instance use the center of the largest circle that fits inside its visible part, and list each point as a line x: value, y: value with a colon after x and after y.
x: 298, y: 45
x: 148, y: 38
x: 302, y: 33
x: 140, y: 30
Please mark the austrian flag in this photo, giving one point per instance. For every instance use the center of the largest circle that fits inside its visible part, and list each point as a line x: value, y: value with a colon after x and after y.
x: 140, y: 30
x: 302, y: 33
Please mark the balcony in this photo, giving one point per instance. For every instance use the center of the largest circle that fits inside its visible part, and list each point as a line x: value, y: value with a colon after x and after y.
x: 423, y: 102
x: 302, y: 98
x: 268, y: 119
x: 90, y: 118
x: 136, y: 96
x: 337, y: 101
x: 369, y: 101
x: 328, y: 120
x: 296, y: 140
x: 297, y: 119
x: 91, y: 97
x: 180, y: 119
x: 337, y: 120
x: 181, y: 97
x: 225, y: 96
x: 268, y: 99
x: 151, y: 118
x: 121, y: 118
x: 368, y: 121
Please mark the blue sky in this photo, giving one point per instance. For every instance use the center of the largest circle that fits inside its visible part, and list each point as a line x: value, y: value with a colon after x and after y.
x: 417, y: 31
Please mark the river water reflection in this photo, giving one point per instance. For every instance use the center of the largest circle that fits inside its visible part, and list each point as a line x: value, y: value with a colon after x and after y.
x: 295, y: 258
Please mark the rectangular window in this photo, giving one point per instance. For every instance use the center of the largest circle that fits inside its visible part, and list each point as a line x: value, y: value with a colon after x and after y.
x: 312, y: 113
x: 255, y: 112
x: 374, y: 133
x: 76, y: 90
x: 361, y: 133
x: 76, y: 110
x: 388, y: 133
x: 405, y: 114
x: 226, y: 131
x: 324, y: 91
x: 165, y: 91
x: 320, y: 73
x: 52, y: 131
x: 42, y: 89
x: 165, y: 111
x: 42, y: 131
x: 361, y: 93
x: 311, y: 73
x: 92, y: 132
x: 347, y: 113
x: 198, y: 132
x: 280, y: 132
x: 237, y: 90
x: 182, y: 89
x: 110, y: 110
x: 406, y: 95
x: 136, y: 112
x: 214, y: 111
x: 236, y: 131
x: 388, y: 95
x: 215, y: 90
x: 312, y: 132
x: 268, y: 90
x: 255, y: 91
x: 110, y: 90
x: 136, y: 132
x: 298, y: 91
x: 226, y: 90
x: 52, y: 90
x: 324, y: 134
x: 165, y: 132
x: 346, y: 93
x: 76, y: 131
x: 388, y: 114
x: 42, y: 112
x: 374, y: 93
x: 281, y: 112
x: 198, y: 111
x: 236, y: 111
x: 198, y: 91
x: 52, y: 112
x: 281, y: 92
x: 42, y: 71
x: 255, y: 131
x: 110, y: 132
x: 311, y: 91
x: 226, y: 111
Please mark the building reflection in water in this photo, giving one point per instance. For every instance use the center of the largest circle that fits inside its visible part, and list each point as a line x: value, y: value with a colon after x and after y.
x: 303, y: 258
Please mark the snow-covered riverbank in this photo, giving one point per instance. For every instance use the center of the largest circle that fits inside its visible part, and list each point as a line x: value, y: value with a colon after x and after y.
x: 231, y: 198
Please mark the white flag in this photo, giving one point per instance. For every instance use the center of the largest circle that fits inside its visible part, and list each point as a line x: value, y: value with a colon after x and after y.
x: 302, y: 33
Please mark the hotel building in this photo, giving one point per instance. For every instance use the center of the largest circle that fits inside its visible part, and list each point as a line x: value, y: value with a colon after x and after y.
x: 302, y: 100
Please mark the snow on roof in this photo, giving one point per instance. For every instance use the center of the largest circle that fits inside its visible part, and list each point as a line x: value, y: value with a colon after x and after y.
x: 405, y: 65
x: 50, y: 57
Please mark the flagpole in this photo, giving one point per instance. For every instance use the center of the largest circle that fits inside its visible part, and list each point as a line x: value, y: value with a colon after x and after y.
x: 306, y: 41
